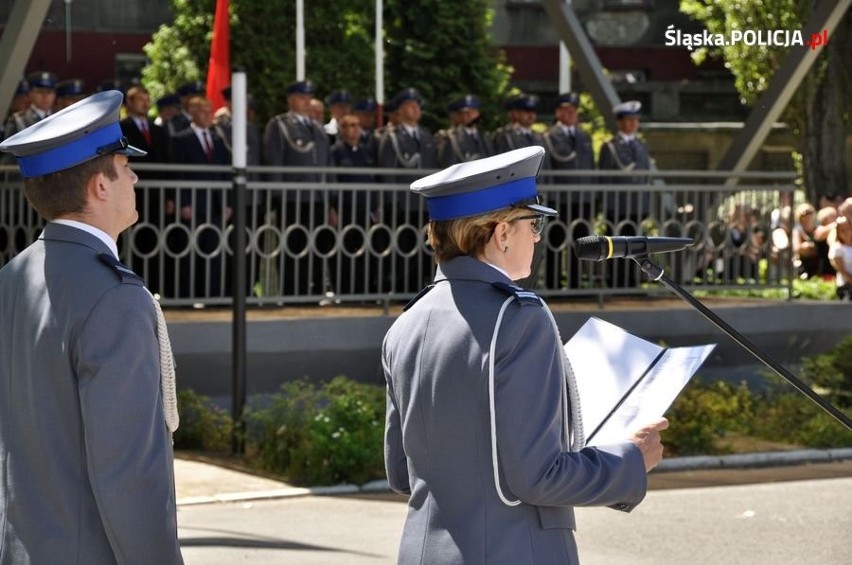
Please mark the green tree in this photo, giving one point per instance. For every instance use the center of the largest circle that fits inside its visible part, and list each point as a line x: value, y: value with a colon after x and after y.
x: 819, y: 111
x: 444, y: 49
x: 439, y: 47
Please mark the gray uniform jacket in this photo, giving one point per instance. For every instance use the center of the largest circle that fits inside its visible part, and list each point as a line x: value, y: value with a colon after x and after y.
x: 438, y: 435
x: 86, y: 463
x: 19, y: 121
x: 570, y: 153
x: 618, y: 154
x: 511, y: 137
x: 400, y: 150
x: 461, y: 144
x: 287, y: 142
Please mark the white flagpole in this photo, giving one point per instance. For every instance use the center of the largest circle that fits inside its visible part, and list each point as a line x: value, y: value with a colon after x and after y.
x: 564, y: 66
x: 380, y: 54
x: 300, y: 39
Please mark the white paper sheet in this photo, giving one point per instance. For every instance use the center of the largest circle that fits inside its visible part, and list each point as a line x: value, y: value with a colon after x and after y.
x: 608, y: 361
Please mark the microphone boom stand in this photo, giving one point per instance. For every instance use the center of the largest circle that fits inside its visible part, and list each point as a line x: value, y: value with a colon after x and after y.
x: 656, y: 273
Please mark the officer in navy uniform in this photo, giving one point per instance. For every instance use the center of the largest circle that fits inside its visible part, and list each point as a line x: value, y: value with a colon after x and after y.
x: 42, y: 98
x: 483, y: 429
x: 357, y: 210
x: 625, y: 151
x: 223, y: 124
x: 569, y: 148
x: 68, y: 92
x: 365, y: 110
x: 625, y: 210
x: 294, y: 139
x: 89, y: 402
x: 517, y: 133
x: 21, y: 100
x: 463, y: 141
x: 407, y: 145
x: 339, y: 103
x: 185, y: 92
x: 168, y: 106
x: 111, y: 84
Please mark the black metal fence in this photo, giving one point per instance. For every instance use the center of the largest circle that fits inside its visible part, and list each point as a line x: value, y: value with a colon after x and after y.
x: 348, y: 242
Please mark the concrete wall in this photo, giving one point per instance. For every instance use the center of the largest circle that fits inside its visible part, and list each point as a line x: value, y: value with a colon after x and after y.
x: 321, y: 348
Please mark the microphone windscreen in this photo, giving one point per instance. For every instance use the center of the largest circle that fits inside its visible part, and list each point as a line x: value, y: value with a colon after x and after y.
x: 592, y: 247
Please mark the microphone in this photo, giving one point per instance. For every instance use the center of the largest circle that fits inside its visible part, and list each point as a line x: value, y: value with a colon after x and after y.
x: 598, y: 247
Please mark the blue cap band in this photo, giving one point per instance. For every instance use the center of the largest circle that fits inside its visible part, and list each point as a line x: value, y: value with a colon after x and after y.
x: 69, y: 154
x: 497, y: 197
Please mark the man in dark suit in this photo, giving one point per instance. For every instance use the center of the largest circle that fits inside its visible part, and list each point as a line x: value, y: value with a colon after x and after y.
x: 156, y: 209
x: 89, y: 403
x: 569, y: 148
x: 202, y: 209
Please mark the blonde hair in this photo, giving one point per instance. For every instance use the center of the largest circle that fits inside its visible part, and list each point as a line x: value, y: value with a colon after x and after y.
x: 467, y: 236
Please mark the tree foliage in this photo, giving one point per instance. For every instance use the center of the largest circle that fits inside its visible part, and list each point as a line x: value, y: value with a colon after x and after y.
x: 442, y: 48
x: 818, y: 113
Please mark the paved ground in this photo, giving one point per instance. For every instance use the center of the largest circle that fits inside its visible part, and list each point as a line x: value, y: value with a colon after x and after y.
x: 791, y: 514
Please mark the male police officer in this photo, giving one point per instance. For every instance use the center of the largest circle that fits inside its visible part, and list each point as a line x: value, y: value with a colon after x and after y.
x: 42, y: 96
x: 88, y: 405
x: 625, y: 210
x: 569, y: 148
x: 295, y: 139
x: 463, y: 141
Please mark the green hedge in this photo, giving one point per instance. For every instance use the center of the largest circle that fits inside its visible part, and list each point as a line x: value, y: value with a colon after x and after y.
x: 322, y: 434
x: 203, y: 426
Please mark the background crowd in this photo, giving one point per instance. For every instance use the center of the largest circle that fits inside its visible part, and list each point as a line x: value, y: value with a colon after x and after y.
x: 342, y: 131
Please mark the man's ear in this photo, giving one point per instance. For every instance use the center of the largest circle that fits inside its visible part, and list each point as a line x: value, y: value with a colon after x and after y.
x: 96, y: 187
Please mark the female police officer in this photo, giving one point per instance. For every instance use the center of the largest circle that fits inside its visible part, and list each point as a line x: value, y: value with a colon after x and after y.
x: 482, y: 415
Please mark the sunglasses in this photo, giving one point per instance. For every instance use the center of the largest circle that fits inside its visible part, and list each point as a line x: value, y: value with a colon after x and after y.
x: 537, y: 222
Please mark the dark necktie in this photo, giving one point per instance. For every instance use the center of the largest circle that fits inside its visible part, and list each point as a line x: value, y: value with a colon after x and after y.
x: 208, y: 145
x: 146, y: 133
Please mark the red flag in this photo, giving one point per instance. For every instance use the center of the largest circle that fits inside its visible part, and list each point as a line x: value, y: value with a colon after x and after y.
x: 219, y: 66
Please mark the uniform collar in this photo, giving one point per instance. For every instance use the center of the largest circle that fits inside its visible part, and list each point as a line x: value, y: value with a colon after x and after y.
x: 90, y: 229
x: 468, y: 268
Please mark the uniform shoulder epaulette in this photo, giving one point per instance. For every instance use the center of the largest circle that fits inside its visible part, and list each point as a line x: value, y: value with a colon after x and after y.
x: 420, y: 295
x: 523, y: 295
x: 124, y: 272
